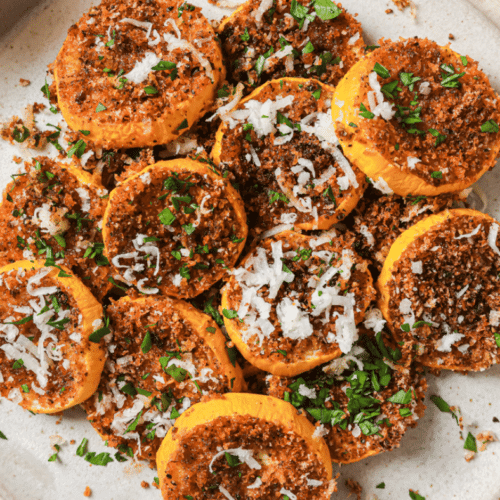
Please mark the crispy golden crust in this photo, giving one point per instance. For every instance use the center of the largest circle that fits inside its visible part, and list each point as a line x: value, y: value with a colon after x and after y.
x: 56, y: 211
x: 96, y: 87
x: 335, y: 388
x: 443, y: 136
x: 289, y: 330
x: 251, y: 45
x: 199, y: 234
x: 379, y: 220
x: 300, y: 179
x: 285, y: 455
x: 439, y: 290
x: 54, y: 309
x: 164, y: 357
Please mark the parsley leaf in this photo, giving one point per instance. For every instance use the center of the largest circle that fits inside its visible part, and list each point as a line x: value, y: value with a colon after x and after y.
x: 229, y: 313
x: 101, y: 459
x: 164, y: 65
x: 326, y: 9
x: 444, y: 407
x: 365, y: 113
x: 491, y: 127
x: 470, y: 443
x: 381, y: 71
x: 166, y: 217
x: 82, y: 448
x: 401, y: 397
x: 146, y: 343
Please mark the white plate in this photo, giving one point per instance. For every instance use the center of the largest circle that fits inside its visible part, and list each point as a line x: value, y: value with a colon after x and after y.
x: 431, y: 457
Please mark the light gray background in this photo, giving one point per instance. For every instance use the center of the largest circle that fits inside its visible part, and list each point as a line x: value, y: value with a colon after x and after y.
x: 431, y: 458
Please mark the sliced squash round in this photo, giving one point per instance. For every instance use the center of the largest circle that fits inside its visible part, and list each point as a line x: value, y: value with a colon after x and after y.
x: 49, y: 357
x: 175, y: 228
x: 279, y: 145
x: 418, y: 118
x: 295, y: 301
x: 379, y: 220
x: 164, y: 356
x: 262, y: 40
x: 244, y: 446
x: 55, y: 211
x: 439, y: 290
x: 138, y: 73
x: 362, y: 403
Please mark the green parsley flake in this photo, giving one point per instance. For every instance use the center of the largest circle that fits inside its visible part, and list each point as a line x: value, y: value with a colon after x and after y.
x: 381, y: 71
x: 166, y: 217
x: 229, y: 313
x: 491, y: 127
x: 416, y: 496
x: 470, y: 443
x: 444, y: 407
x: 82, y: 448
x: 183, y: 125
x: 365, y: 113
x: 146, y: 343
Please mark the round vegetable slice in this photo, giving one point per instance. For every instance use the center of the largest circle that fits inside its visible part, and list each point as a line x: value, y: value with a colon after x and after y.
x: 55, y: 211
x: 439, y: 290
x: 252, y: 446
x: 263, y: 40
x: 295, y: 301
x: 379, y: 220
x: 418, y: 118
x: 138, y: 73
x: 362, y: 403
x: 164, y: 356
x: 49, y: 360
x: 175, y: 228
x: 279, y: 144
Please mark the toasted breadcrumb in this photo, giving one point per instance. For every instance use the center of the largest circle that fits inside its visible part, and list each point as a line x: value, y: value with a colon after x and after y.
x: 485, y: 438
x: 24, y: 83
x: 403, y: 4
x: 144, y: 484
x: 354, y: 488
x: 87, y: 492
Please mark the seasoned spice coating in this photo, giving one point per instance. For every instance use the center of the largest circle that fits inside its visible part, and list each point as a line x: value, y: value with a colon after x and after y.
x: 159, y: 364
x: 296, y: 299
x: 55, y: 213
x: 284, y: 458
x: 379, y: 220
x: 349, y: 399
x: 289, y: 171
x: 175, y: 228
x: 444, y: 294
x: 444, y: 121
x: 290, y: 39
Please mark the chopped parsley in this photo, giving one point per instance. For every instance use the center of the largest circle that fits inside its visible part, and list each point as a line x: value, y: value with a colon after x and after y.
x: 491, y: 127
x: 166, y: 217
x: 365, y: 113
x: 82, y: 448
x: 229, y: 313
x: 102, y: 459
x: 381, y: 71
x: 146, y: 343
x: 440, y: 138
x: 444, y: 407
x: 470, y: 443
x: 100, y: 107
